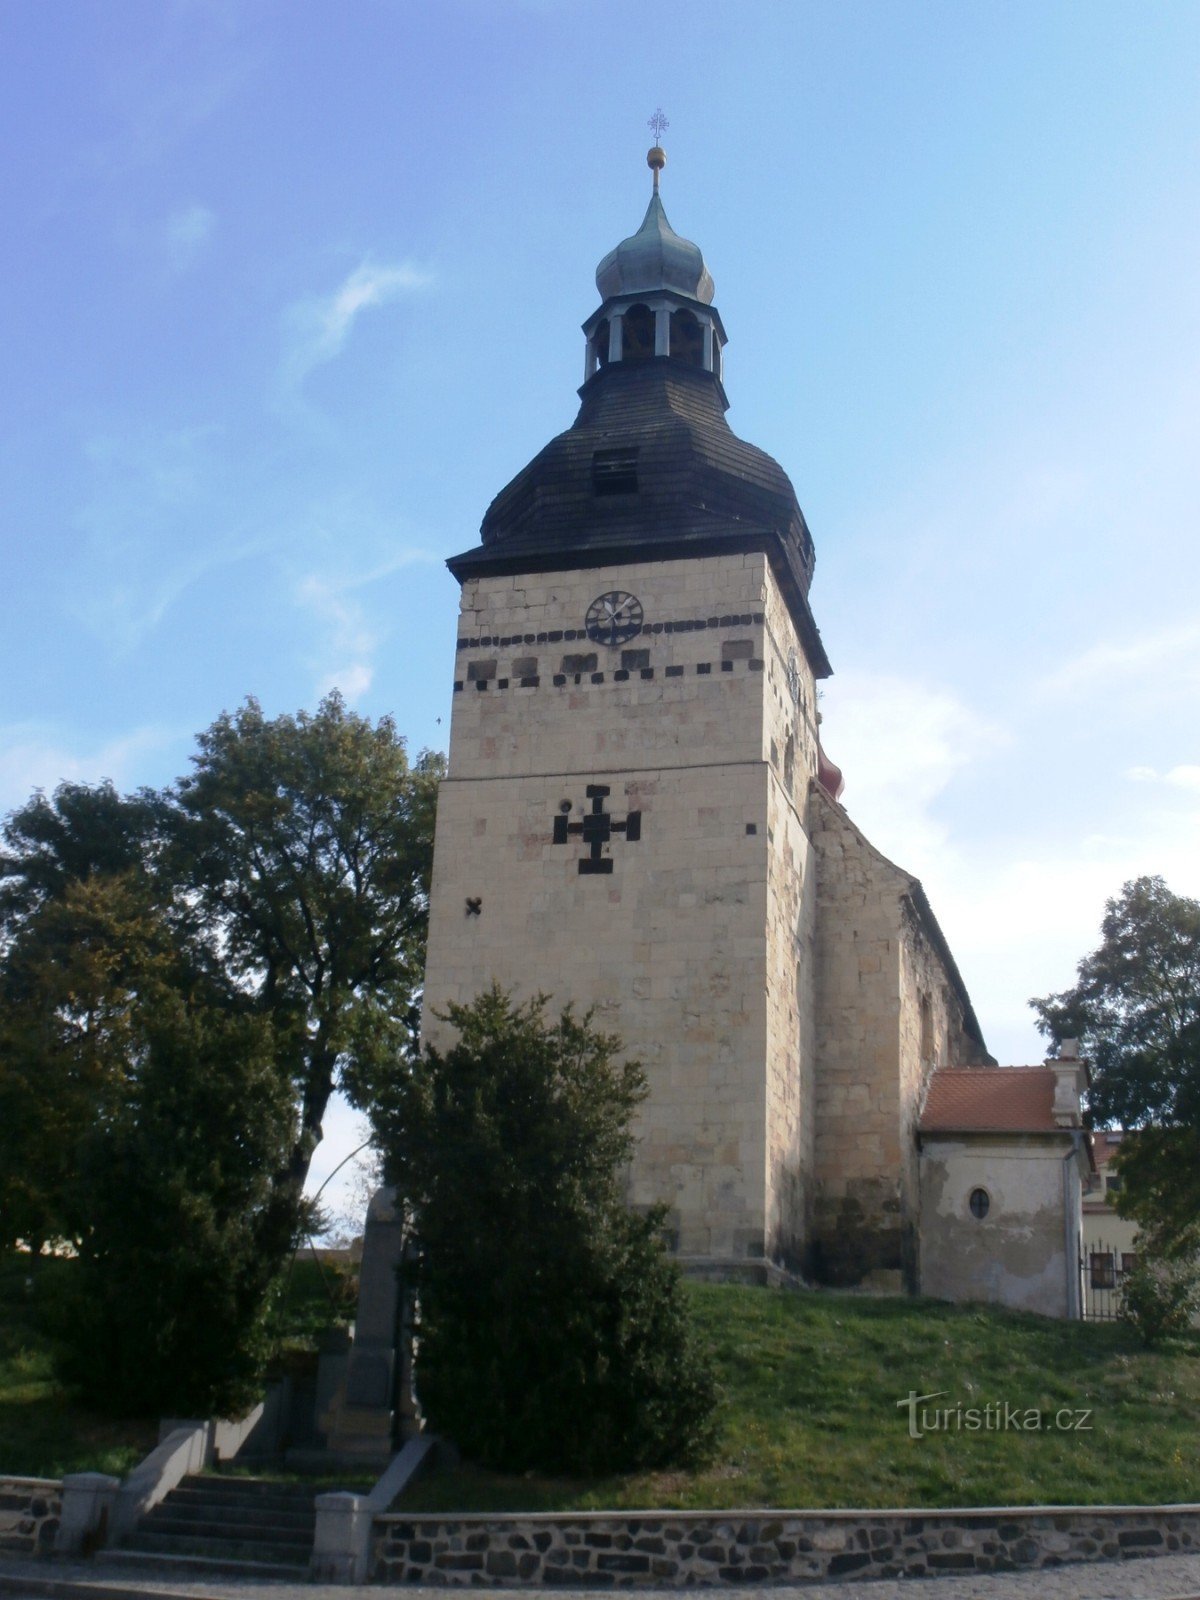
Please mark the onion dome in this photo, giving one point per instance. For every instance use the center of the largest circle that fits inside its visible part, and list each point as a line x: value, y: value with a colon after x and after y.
x: 655, y: 257
x: 650, y: 470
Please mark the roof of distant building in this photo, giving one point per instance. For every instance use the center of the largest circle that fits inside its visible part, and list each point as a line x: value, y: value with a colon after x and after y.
x: 1105, y: 1144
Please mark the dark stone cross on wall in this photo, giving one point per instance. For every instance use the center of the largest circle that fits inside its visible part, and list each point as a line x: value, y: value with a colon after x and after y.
x: 597, y: 828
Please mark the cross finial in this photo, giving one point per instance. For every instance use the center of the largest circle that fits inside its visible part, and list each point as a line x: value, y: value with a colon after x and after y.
x: 656, y: 158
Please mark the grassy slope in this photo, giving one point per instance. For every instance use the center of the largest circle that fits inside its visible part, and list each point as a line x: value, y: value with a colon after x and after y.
x: 810, y: 1417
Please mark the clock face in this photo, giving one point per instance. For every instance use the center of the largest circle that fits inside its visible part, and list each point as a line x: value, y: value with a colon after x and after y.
x: 614, y: 617
x: 793, y: 677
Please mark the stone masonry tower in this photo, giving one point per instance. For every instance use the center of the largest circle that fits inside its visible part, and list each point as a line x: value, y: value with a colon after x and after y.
x: 632, y: 744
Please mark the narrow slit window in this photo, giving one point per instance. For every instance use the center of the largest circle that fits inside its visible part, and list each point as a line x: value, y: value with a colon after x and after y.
x: 614, y: 471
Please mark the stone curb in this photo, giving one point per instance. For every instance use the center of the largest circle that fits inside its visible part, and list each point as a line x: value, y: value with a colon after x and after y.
x: 17, y: 1583
x: 830, y: 1513
x: 78, y: 1589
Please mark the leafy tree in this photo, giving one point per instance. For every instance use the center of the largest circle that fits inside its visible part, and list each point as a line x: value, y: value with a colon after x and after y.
x: 79, y: 922
x: 552, y: 1328
x: 308, y: 842
x: 1136, y: 1009
x: 1161, y: 1295
x: 176, y: 1276
x: 184, y: 978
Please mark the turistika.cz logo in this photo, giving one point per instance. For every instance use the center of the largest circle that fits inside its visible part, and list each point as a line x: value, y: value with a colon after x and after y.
x: 998, y: 1416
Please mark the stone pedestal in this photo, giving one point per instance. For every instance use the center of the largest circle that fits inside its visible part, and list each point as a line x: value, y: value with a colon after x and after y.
x: 373, y: 1406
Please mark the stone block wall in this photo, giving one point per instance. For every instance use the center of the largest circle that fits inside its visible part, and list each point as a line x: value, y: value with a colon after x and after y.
x: 933, y: 1033
x: 684, y: 1548
x: 858, y: 1223
x: 791, y: 1032
x: 790, y: 749
x: 30, y: 1511
x: 668, y: 950
x: 533, y: 693
x: 888, y: 1009
x: 686, y: 930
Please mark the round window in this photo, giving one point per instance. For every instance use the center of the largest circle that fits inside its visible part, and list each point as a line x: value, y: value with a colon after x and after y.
x: 980, y: 1203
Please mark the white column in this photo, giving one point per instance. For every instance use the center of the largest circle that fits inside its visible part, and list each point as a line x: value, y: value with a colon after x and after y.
x: 614, y: 336
x: 589, y: 359
x: 710, y: 346
x: 662, y: 330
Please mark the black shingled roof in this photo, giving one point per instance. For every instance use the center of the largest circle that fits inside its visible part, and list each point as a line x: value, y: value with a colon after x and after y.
x: 700, y: 490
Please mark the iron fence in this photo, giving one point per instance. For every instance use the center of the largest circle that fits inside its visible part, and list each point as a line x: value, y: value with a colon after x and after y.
x: 1103, y: 1269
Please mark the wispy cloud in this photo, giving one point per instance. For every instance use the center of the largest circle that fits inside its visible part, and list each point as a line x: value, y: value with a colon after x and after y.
x: 348, y: 637
x: 1185, y: 776
x: 317, y: 327
x: 159, y: 516
x: 186, y: 232
x: 1123, y: 666
x: 34, y: 755
x: 900, y: 744
x: 1019, y: 909
x: 185, y: 72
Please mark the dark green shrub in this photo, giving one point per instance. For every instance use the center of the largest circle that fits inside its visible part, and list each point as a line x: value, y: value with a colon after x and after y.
x: 553, y: 1333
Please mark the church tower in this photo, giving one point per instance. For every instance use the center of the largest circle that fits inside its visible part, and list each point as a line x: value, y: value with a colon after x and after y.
x: 633, y: 735
x: 638, y: 817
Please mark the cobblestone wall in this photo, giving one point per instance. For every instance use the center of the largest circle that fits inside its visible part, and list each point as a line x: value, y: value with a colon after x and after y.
x: 30, y: 1509
x: 677, y: 1548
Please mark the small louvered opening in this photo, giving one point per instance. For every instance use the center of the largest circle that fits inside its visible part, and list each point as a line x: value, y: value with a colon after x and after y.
x: 614, y: 471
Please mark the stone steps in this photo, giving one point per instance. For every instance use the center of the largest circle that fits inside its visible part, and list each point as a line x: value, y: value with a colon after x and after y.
x: 244, y: 1523
x: 232, y: 1514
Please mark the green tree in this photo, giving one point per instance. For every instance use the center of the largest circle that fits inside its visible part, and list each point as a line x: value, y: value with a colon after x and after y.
x: 80, y: 924
x: 553, y: 1332
x: 307, y: 843
x: 1161, y: 1295
x: 190, y: 974
x: 176, y: 1275
x: 1136, y: 1009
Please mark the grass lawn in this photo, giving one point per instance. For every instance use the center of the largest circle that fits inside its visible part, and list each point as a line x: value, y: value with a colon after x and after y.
x: 809, y: 1416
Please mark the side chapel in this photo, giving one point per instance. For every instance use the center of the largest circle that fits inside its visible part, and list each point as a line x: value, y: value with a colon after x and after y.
x: 639, y: 817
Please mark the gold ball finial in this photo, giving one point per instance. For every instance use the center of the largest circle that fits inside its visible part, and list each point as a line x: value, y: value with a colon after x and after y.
x: 656, y: 157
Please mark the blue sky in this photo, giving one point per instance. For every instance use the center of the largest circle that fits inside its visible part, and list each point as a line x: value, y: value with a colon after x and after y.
x: 292, y: 289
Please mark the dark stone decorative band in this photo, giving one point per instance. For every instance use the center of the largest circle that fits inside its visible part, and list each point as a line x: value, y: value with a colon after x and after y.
x: 489, y: 641
x: 561, y: 680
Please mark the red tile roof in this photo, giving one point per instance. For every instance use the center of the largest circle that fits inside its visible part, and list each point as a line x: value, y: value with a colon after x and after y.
x: 990, y: 1099
x: 1105, y: 1144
